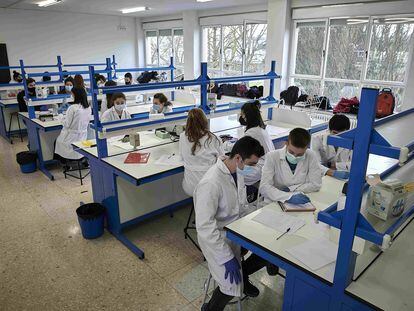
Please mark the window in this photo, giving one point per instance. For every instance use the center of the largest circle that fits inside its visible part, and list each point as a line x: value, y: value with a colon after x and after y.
x: 235, y: 49
x: 337, y: 57
x: 162, y: 44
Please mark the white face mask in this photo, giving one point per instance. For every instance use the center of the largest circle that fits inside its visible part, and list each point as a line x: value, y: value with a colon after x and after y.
x: 120, y: 107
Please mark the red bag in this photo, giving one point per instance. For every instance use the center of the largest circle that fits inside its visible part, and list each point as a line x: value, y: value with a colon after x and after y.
x: 385, y: 103
x: 347, y: 105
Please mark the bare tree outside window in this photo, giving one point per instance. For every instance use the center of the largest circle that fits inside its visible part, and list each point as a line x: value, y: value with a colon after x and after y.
x: 232, y: 48
x: 255, y: 48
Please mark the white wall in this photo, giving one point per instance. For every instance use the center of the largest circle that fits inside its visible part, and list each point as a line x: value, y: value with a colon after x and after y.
x: 38, y: 37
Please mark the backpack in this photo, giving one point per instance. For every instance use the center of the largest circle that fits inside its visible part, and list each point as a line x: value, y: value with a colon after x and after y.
x: 385, y: 103
x: 254, y: 92
x: 347, y: 105
x: 241, y: 90
x: 147, y: 76
x: 290, y: 96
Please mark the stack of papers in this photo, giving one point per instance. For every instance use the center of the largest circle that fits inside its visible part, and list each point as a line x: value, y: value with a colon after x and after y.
x: 315, y: 254
x: 276, y: 131
x: 170, y: 160
x: 126, y: 146
x: 279, y: 221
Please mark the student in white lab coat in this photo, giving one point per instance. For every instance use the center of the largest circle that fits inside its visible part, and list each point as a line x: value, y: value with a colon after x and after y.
x: 199, y: 149
x: 107, y: 100
x: 160, y: 104
x: 335, y: 162
x: 75, y: 125
x: 219, y: 199
x: 290, y: 172
x: 118, y: 111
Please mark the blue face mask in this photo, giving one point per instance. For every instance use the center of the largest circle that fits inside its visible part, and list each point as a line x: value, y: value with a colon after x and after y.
x: 68, y: 88
x: 246, y: 171
x: 292, y: 159
x: 156, y: 107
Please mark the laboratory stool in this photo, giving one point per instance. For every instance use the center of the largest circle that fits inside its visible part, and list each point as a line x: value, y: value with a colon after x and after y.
x: 206, y: 295
x: 67, y: 170
x: 190, y: 226
x: 12, y: 115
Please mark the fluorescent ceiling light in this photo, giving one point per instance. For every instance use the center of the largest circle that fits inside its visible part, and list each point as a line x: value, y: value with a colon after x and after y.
x: 341, y: 5
x: 47, y: 3
x: 137, y: 9
x: 204, y: 0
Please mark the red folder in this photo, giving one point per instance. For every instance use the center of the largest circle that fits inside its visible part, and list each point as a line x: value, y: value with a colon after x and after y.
x: 136, y: 157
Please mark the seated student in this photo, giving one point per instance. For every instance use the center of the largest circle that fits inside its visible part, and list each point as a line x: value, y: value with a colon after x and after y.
x: 128, y: 78
x: 17, y: 77
x: 31, y: 88
x: 290, y: 172
x: 75, y: 125
x: 160, y: 104
x: 68, y: 91
x: 79, y: 82
x: 100, y: 80
x: 118, y: 110
x: 335, y: 162
x: 199, y: 149
x: 107, y: 99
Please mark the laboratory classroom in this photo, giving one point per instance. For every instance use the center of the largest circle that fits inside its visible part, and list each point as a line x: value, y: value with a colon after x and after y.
x: 207, y: 155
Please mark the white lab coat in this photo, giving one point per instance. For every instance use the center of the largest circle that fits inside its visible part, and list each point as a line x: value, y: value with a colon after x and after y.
x: 112, y: 115
x: 195, y: 166
x: 218, y: 202
x: 276, y: 174
x: 327, y: 154
x: 104, y: 106
x: 75, y: 128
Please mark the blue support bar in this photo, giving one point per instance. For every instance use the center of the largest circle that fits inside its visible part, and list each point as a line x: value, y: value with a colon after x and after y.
x: 147, y: 86
x: 83, y: 65
x: 108, y: 68
x: 204, y: 82
x: 172, y: 75
x: 59, y: 64
x: 9, y: 67
x: 114, y: 66
x: 272, y: 80
x: 101, y: 143
x: 30, y: 109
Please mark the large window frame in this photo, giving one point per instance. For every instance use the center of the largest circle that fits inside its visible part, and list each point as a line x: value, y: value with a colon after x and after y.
x: 178, y: 66
x: 363, y: 80
x: 221, y: 71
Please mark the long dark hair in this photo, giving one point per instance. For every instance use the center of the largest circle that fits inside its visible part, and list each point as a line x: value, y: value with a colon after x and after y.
x: 109, y: 95
x: 78, y: 81
x: 251, y: 111
x: 197, y: 127
x: 80, y: 96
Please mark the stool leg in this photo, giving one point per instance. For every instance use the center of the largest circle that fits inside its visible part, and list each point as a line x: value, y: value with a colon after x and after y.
x: 239, y: 306
x: 188, y: 221
x: 10, y: 124
x: 20, y: 129
x: 80, y: 173
x: 206, y: 287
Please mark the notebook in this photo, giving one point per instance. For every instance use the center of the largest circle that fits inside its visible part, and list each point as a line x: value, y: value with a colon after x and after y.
x: 137, y: 158
x: 287, y: 207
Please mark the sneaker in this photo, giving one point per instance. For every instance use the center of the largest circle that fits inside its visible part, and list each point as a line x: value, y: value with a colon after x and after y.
x: 272, y: 270
x: 250, y: 290
x: 204, y: 307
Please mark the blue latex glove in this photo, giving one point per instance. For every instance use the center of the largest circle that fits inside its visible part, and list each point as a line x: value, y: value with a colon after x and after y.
x: 341, y: 174
x: 285, y: 189
x: 298, y: 198
x: 233, y: 270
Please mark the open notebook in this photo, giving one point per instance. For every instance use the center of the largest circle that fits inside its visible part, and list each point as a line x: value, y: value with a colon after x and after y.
x: 287, y: 207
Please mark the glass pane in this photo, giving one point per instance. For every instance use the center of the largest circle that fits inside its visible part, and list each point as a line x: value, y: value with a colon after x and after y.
x: 336, y: 90
x: 346, y: 53
x: 309, y: 48
x: 310, y: 87
x: 255, y: 48
x: 397, y: 91
x: 165, y: 46
x: 390, y: 45
x: 151, y: 50
x: 178, y: 46
x: 232, y: 49
x: 212, y: 47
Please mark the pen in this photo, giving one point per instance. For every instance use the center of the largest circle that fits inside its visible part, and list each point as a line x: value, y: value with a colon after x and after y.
x: 287, y: 230
x: 171, y: 155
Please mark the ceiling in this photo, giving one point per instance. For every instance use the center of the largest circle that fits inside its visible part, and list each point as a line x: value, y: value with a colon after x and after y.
x: 113, y: 7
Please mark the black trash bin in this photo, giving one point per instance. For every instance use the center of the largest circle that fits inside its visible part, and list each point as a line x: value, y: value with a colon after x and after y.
x: 27, y: 161
x: 91, y: 220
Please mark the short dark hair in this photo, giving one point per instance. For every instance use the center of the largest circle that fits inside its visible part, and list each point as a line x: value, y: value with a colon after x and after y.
x: 46, y: 78
x: 30, y: 80
x: 253, y: 116
x: 117, y: 95
x: 246, y: 147
x: 299, y: 137
x: 80, y: 96
x: 109, y: 95
x: 340, y: 123
x: 69, y: 79
x: 161, y: 97
x: 128, y: 75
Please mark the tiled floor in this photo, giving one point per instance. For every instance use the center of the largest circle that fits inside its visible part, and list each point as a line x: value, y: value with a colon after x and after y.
x: 45, y: 264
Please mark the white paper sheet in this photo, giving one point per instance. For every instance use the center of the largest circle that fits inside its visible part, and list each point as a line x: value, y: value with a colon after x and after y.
x: 279, y: 221
x: 170, y: 160
x: 315, y: 253
x: 277, y: 131
x: 126, y: 146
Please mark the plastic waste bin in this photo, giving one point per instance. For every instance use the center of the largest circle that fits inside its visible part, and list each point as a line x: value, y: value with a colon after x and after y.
x: 27, y: 161
x: 91, y: 220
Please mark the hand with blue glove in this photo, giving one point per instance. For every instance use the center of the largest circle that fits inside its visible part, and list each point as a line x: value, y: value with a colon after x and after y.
x: 298, y: 198
x: 284, y: 188
x: 341, y: 175
x: 233, y: 270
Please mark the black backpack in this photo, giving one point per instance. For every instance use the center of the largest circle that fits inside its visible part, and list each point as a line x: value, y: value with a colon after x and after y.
x: 255, y: 92
x: 290, y: 96
x: 147, y: 76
